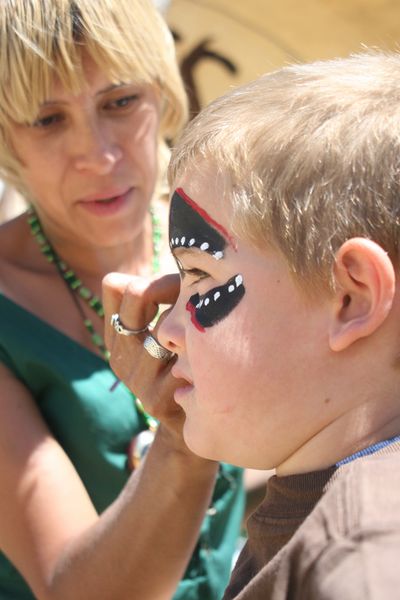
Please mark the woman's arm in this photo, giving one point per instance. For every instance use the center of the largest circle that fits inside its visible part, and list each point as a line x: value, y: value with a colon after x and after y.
x: 139, y: 547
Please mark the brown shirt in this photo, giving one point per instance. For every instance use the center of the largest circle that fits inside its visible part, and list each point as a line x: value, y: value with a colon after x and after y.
x: 327, y: 535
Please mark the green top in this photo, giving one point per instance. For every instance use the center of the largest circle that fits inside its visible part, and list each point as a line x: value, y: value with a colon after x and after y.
x: 94, y: 421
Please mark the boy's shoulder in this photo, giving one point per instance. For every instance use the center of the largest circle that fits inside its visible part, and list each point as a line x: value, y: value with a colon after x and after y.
x: 367, y: 491
x: 347, y: 546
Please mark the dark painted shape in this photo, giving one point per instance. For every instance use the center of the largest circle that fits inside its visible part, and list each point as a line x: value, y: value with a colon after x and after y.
x: 188, y: 221
x: 208, y: 314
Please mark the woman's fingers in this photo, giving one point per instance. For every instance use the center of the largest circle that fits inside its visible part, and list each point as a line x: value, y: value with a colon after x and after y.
x: 136, y: 300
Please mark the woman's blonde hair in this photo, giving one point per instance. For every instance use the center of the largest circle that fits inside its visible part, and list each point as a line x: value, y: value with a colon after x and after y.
x: 41, y: 40
x: 310, y: 156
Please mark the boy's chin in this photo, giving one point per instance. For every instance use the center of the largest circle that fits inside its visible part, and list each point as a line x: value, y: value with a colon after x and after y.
x: 205, y: 448
x: 199, y: 445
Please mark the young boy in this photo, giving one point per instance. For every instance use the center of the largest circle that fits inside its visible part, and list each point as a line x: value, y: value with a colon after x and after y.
x: 285, y: 224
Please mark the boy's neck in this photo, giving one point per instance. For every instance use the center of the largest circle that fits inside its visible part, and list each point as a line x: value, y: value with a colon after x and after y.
x: 337, y: 442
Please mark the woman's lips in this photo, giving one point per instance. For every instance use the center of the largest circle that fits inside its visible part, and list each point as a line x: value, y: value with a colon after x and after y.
x: 106, y: 204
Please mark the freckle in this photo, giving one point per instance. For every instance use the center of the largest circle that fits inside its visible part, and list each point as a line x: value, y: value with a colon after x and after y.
x: 327, y: 400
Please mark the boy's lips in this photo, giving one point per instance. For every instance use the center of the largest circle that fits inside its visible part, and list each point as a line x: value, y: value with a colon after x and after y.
x: 185, y: 387
x: 181, y: 393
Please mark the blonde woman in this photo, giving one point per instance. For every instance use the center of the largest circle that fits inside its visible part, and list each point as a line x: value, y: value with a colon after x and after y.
x: 89, y: 92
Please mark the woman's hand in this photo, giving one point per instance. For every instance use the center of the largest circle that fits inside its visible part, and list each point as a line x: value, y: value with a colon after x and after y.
x: 136, y: 300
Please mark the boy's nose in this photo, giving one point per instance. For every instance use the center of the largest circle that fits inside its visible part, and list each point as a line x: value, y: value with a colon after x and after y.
x: 169, y: 332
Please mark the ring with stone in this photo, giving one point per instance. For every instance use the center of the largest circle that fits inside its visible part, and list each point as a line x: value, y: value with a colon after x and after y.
x: 155, y: 349
x: 121, y: 329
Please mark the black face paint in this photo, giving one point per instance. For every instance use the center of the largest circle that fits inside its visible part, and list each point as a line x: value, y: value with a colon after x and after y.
x: 210, y: 308
x: 191, y: 226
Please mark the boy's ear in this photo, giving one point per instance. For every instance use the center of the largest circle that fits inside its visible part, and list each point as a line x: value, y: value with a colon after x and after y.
x: 365, y: 288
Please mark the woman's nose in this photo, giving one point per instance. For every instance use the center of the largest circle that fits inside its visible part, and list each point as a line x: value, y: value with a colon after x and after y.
x: 95, y: 151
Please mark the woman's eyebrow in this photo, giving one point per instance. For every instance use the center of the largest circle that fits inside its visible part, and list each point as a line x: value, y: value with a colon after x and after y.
x: 109, y: 88
x: 112, y: 87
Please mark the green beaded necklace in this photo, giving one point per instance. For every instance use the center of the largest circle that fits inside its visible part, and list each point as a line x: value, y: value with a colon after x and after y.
x: 141, y: 443
x: 75, y: 285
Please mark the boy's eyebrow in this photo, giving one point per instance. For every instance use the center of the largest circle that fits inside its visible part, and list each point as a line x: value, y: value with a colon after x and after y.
x: 183, y: 250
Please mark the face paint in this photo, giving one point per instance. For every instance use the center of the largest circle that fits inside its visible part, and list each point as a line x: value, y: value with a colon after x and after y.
x: 210, y: 308
x: 191, y: 226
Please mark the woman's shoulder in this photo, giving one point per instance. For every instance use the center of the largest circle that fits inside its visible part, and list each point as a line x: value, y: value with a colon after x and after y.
x: 15, y: 245
x: 19, y: 258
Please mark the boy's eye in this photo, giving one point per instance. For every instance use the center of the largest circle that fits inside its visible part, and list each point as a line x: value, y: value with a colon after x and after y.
x: 196, y: 274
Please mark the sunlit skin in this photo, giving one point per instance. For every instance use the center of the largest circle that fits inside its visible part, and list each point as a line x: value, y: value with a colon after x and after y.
x: 262, y: 384
x: 85, y: 148
x: 226, y: 418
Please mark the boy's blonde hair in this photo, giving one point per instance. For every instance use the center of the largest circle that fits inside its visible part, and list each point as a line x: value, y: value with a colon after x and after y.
x: 44, y: 39
x: 310, y: 156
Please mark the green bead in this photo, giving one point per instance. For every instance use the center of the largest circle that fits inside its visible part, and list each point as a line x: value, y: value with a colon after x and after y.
x: 89, y: 325
x: 84, y: 292
x: 40, y: 238
x: 75, y: 283
x: 97, y: 339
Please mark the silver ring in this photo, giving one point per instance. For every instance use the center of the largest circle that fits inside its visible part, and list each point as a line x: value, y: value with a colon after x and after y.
x: 119, y: 328
x: 155, y: 349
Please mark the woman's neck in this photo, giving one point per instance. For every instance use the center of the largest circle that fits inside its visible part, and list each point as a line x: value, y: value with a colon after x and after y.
x: 91, y: 263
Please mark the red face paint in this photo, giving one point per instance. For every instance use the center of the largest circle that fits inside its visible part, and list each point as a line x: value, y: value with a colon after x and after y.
x: 192, y: 309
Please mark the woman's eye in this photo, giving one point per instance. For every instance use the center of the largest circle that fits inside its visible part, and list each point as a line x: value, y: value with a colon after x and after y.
x: 123, y: 102
x: 47, y: 121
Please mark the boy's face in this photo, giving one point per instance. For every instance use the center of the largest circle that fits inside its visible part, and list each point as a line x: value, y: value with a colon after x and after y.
x: 248, y: 344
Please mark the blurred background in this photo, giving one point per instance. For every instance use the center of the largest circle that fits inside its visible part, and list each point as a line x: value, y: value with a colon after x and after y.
x: 222, y: 43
